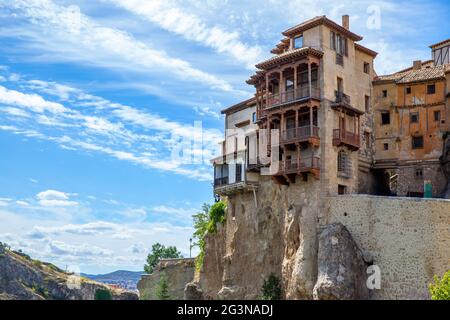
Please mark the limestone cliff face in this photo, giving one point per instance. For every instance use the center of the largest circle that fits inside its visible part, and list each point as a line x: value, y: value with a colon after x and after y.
x: 278, y: 234
x: 22, y: 278
x: 178, y: 273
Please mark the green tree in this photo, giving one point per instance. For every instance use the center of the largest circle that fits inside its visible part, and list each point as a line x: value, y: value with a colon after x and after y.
x: 216, y: 215
x: 160, y: 252
x: 271, y: 288
x: 440, y: 289
x: 201, y: 221
x: 102, y: 294
x: 162, y: 288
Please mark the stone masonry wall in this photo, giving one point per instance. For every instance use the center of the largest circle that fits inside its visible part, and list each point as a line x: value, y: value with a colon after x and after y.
x: 408, y: 238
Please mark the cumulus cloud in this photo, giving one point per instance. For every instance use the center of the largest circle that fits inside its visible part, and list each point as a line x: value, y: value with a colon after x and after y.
x: 54, y: 198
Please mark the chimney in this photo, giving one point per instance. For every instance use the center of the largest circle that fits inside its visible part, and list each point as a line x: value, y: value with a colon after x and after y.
x: 417, y: 65
x: 346, y: 21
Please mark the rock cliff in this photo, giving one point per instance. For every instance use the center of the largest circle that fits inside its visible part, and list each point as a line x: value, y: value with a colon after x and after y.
x: 22, y: 278
x: 178, y: 273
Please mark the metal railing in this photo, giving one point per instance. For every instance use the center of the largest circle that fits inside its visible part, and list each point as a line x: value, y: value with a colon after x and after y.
x: 341, y: 97
x: 339, y: 59
x: 220, y: 181
x: 291, y: 95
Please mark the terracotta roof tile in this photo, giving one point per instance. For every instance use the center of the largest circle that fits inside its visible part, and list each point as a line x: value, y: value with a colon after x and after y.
x: 287, y: 55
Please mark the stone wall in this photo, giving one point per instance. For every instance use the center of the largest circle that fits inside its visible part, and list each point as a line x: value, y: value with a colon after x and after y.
x: 178, y: 272
x: 408, y: 238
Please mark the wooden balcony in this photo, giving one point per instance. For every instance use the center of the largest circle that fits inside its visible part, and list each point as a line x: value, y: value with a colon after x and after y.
x: 291, y: 96
x: 343, y: 137
x: 301, y: 134
x: 290, y: 168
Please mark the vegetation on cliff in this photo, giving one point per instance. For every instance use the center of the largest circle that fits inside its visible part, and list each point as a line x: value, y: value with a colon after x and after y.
x: 160, y: 252
x: 271, y: 289
x: 206, y: 222
x: 440, y: 289
x: 162, y: 288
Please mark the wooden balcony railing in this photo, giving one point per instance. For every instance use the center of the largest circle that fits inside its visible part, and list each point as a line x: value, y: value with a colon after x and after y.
x: 293, y: 95
x: 306, y: 164
x: 343, y: 137
x: 299, y: 134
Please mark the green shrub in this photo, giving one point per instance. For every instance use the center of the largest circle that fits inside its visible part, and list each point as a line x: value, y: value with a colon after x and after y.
x: 162, y: 288
x: 206, y: 222
x: 103, y: 294
x: 440, y: 289
x: 216, y: 215
x: 271, y: 289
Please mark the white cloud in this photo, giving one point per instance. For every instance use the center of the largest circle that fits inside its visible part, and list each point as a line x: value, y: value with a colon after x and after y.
x: 137, y: 248
x: 23, y: 203
x: 68, y: 26
x: 176, y: 212
x: 54, y: 198
x: 170, y: 17
x: 63, y: 249
x: 33, y: 102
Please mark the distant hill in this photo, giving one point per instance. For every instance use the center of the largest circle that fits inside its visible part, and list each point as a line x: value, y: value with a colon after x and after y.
x: 122, y: 278
x: 24, y: 278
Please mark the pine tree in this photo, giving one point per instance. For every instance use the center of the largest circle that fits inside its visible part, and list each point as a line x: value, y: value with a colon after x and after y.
x: 162, y: 288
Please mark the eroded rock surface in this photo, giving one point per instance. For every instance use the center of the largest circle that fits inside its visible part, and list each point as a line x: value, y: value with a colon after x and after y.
x: 342, y: 270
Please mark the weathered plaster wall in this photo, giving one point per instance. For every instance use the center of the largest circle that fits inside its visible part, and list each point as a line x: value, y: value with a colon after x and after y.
x: 409, y: 239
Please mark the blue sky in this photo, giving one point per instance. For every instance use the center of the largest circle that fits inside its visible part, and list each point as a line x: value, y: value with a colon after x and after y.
x: 96, y: 97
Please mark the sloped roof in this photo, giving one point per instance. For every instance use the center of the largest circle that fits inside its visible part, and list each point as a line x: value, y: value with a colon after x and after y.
x: 308, y: 24
x: 289, y: 54
x: 239, y: 106
x: 423, y: 74
x: 427, y: 72
x: 366, y: 50
x: 440, y: 43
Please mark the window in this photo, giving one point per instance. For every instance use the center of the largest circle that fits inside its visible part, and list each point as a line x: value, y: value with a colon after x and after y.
x: 342, y: 189
x: 367, y: 139
x: 344, y: 166
x: 414, y: 117
x: 417, y: 142
x: 339, y: 44
x: 385, y: 118
x: 298, y: 42
x: 238, y: 172
x: 367, y: 103
x: 384, y: 93
x: 419, y: 173
x: 366, y: 67
x: 254, y: 117
x: 408, y: 90
x: 340, y: 85
x: 386, y: 146
x: 437, y: 116
x: 431, y: 89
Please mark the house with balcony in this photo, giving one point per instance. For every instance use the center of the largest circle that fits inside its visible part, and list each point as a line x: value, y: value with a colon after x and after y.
x: 316, y: 92
x: 236, y: 168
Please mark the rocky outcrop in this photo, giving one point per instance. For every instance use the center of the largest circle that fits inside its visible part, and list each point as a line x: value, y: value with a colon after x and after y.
x: 342, y: 270
x: 23, y: 278
x: 178, y: 273
x: 192, y: 291
x: 277, y: 234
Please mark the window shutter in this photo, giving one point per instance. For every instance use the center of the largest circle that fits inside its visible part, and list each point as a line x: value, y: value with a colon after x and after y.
x: 345, y: 47
x: 332, y: 40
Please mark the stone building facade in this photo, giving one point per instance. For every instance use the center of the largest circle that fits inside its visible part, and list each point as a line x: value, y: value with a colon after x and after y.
x: 310, y: 140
